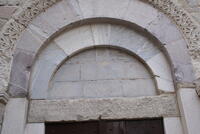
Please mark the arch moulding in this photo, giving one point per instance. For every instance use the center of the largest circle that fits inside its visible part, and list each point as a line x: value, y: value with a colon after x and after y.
x: 24, y: 37
x: 32, y: 8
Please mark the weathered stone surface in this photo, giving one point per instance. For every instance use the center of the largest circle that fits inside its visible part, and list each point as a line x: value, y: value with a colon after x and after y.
x: 181, y: 61
x: 20, y: 73
x: 138, y: 87
x: 142, y: 13
x: 133, y: 41
x: 7, y: 11
x: 164, y: 85
x: 52, y: 53
x: 175, y: 12
x: 162, y: 71
x: 189, y: 104
x: 65, y: 90
x: 29, y: 42
x: 103, y: 8
x: 2, y: 108
x: 69, y: 72
x: 101, y: 33
x: 35, y: 128
x: 101, y: 72
x: 164, y: 29
x: 41, y: 26
x: 62, y: 14
x: 40, y: 79
x: 93, y: 109
x: 172, y: 125
x: 43, y: 69
x: 69, y: 42
x: 15, y: 116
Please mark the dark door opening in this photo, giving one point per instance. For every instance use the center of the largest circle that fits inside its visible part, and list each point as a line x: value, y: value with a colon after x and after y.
x: 146, y: 126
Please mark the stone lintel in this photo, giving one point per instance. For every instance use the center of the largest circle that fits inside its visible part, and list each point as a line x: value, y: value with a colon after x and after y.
x: 109, y: 108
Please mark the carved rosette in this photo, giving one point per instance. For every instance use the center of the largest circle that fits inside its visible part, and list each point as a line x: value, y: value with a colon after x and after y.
x: 31, y: 8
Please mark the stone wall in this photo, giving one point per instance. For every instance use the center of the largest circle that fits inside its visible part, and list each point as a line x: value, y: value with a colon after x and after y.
x: 8, y: 7
x: 101, y: 72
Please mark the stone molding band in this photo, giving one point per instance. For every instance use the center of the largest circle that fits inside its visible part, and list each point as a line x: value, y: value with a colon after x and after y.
x: 12, y: 30
x: 102, y: 108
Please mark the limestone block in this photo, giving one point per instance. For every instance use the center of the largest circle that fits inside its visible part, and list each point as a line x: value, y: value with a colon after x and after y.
x: 65, y: 90
x: 7, y: 11
x: 184, y: 73
x: 89, y: 71
x: 138, y: 87
x: 164, y: 29
x: 133, y: 41
x: 121, y: 70
x: 20, y: 73
x: 189, y: 104
x: 172, y: 125
x: 69, y: 72
x: 101, y: 33
x: 178, y: 51
x: 164, y: 85
x: 46, y: 64
x: 52, y: 53
x: 93, y: 109
x: 42, y: 27
x: 69, y: 42
x: 35, y: 128
x: 40, y: 79
x: 181, y: 61
x: 62, y: 14
x: 103, y: 8
x: 140, y: 13
x: 29, y: 42
x: 102, y: 88
x: 102, y: 72
x: 161, y: 69
x: 87, y: 56
x: 15, y: 116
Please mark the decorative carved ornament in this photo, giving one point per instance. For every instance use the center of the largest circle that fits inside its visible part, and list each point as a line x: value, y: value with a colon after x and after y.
x: 31, y: 8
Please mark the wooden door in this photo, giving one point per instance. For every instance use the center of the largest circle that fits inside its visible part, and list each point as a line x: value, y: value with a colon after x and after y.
x: 149, y: 126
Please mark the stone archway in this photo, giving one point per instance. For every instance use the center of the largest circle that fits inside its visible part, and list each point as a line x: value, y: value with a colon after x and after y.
x: 34, y: 34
